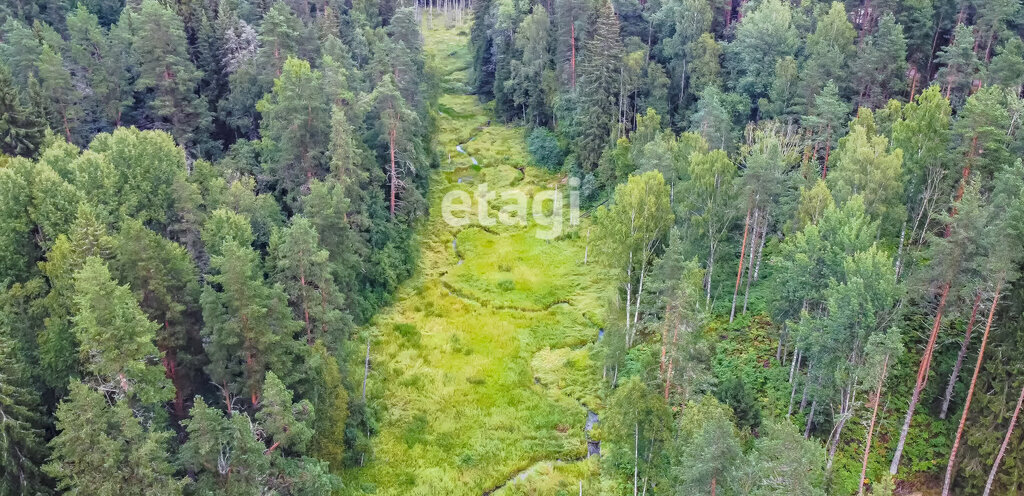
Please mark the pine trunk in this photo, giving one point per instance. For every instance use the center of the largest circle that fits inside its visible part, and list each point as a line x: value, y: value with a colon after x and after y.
x: 750, y: 262
x: 960, y: 358
x: 739, y: 271
x: 970, y: 393
x: 922, y: 377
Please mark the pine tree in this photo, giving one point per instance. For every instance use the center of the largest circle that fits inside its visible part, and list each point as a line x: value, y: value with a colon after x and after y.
x: 301, y: 266
x: 102, y: 448
x: 599, y: 80
x: 296, y: 128
x: 960, y: 66
x: 1007, y: 67
x: 21, y: 131
x: 279, y: 35
x: 953, y: 256
x: 64, y: 100
x: 166, y: 71
x: 825, y: 121
x: 249, y: 328
x: 982, y: 135
x: 396, y: 136
x: 164, y: 280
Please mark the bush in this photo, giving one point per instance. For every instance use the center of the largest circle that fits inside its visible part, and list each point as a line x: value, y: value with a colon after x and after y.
x: 408, y: 332
x: 544, y: 148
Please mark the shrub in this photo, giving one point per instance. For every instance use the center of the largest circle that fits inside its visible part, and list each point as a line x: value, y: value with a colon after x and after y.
x: 408, y: 332
x: 544, y: 148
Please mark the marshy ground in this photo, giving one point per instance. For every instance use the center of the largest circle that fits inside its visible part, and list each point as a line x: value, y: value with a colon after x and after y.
x: 485, y: 367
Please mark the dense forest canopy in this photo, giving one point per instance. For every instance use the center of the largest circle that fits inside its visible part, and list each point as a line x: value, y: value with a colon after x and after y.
x: 843, y: 186
x: 204, y: 202
x: 201, y: 201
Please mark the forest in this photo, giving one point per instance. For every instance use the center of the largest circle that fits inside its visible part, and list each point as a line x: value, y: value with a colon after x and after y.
x: 224, y: 268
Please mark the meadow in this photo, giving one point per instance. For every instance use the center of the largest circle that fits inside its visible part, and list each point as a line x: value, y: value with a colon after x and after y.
x: 483, y: 370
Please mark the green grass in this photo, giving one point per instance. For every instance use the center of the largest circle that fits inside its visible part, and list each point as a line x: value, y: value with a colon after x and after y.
x: 482, y: 367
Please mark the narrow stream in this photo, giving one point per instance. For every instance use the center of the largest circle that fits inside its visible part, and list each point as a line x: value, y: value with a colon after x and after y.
x: 593, y: 449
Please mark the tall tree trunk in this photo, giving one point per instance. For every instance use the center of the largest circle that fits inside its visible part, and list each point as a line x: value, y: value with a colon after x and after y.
x: 636, y: 454
x: 899, y: 252
x: 1002, y: 448
x: 922, y: 377
x: 668, y: 376
x: 750, y: 262
x: 970, y: 392
x: 394, y: 170
x: 739, y: 271
x: 664, y: 339
x: 572, y: 42
x: 810, y: 418
x: 871, y: 426
x: 960, y: 357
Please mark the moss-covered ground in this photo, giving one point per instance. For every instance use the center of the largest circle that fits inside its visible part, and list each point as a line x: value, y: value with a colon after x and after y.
x: 483, y: 370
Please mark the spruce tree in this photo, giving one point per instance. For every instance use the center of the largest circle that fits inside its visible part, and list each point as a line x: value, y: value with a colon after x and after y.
x: 21, y: 131
x: 599, y: 88
x: 19, y: 50
x: 284, y: 421
x: 103, y: 66
x: 102, y: 448
x: 210, y: 436
x: 116, y: 337
x: 22, y: 448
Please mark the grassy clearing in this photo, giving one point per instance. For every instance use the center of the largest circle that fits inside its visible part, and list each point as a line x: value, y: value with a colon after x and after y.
x: 482, y: 368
